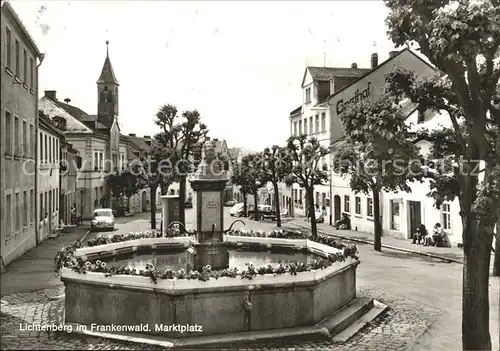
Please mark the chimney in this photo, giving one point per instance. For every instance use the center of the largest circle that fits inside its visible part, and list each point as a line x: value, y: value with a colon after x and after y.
x: 393, y: 53
x: 67, y: 100
x: 147, y: 137
x: 51, y: 94
x: 354, y: 65
x: 374, y: 60
x: 132, y: 134
x: 216, y: 139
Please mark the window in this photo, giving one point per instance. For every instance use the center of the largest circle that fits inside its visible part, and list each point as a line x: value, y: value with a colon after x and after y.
x: 25, y: 139
x: 300, y: 195
x: 32, y: 141
x: 323, y: 122
x: 300, y: 127
x: 395, y: 217
x: 8, y: 215
x: 317, y: 198
x: 122, y: 159
x: 316, y: 124
x: 100, y: 160
x: 357, y: 204
x: 25, y: 209
x: 8, y: 48
x: 51, y: 204
x: 25, y: 65
x: 369, y: 207
x: 16, y: 208
x: 347, y: 204
x: 96, y: 160
x: 31, y: 72
x: 311, y: 125
x: 323, y: 199
x: 8, y: 133
x: 45, y: 150
x: 17, y: 57
x: 446, y: 217
x: 41, y: 207
x: 57, y: 199
x: 295, y: 128
x: 308, y: 95
x: 49, y: 150
x: 305, y: 126
x: 16, y: 136
x: 32, y: 206
x: 421, y: 116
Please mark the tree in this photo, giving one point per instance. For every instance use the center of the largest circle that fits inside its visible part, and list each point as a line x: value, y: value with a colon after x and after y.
x: 462, y: 39
x: 376, y: 153
x: 126, y: 182
x: 274, y: 168
x: 305, y: 156
x: 181, y: 138
x: 247, y: 176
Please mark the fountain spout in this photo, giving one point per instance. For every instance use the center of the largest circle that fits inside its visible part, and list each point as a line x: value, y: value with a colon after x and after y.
x: 231, y: 226
x: 179, y: 223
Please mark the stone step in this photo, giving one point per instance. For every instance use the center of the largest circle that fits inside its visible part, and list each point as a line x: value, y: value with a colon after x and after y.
x: 343, y: 318
x: 360, y: 323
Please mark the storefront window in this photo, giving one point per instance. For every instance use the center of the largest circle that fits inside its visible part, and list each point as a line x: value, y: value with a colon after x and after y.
x: 395, y: 215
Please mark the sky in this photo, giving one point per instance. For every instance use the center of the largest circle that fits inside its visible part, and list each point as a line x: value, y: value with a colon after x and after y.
x: 240, y: 64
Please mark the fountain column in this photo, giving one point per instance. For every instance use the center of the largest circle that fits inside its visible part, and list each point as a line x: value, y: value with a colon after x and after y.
x: 208, y: 183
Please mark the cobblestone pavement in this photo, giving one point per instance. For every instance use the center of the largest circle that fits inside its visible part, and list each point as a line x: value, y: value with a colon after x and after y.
x: 396, y: 329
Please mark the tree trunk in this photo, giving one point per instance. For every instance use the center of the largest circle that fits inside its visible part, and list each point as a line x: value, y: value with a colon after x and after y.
x: 277, y: 201
x: 152, y: 195
x: 496, y: 263
x: 256, y: 206
x: 245, y: 214
x: 312, y: 212
x: 475, y: 300
x: 377, y: 226
x: 182, y: 202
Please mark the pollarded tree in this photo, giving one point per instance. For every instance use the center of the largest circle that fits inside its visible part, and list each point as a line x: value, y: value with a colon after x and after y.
x: 376, y: 154
x: 275, y: 166
x: 462, y: 39
x: 181, y: 137
x: 247, y: 175
x: 305, y: 156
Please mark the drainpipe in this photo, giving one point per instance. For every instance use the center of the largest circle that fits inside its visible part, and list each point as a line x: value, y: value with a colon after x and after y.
x: 41, y: 57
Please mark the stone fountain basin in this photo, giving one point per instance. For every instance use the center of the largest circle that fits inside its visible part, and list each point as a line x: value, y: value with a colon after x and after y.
x: 219, y: 306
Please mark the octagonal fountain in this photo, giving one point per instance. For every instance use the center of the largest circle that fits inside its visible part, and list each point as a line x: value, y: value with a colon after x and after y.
x: 226, y: 282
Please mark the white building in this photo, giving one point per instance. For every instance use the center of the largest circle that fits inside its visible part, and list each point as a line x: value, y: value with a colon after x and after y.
x: 401, y: 212
x: 312, y: 118
x: 50, y: 141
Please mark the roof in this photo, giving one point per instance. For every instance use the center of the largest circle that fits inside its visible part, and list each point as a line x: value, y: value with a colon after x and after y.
x: 107, y: 73
x: 377, y: 67
x: 53, y: 108
x: 73, y: 110
x: 234, y: 152
x: 296, y: 111
x: 137, y: 142
x: 7, y: 7
x: 46, y: 123
x: 327, y: 73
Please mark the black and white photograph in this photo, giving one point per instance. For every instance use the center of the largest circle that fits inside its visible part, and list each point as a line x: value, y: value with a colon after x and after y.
x: 250, y: 175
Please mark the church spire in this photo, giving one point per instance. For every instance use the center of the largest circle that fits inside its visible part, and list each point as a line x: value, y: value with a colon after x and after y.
x: 107, y: 73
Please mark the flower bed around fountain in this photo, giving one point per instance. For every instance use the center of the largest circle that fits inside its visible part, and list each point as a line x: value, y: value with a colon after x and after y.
x: 221, y: 301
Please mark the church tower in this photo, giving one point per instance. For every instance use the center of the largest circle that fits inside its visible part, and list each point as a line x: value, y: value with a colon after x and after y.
x: 107, y: 93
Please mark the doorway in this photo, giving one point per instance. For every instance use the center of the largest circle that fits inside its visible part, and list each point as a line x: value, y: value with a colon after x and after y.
x: 144, y: 202
x: 336, y: 207
x: 415, y: 217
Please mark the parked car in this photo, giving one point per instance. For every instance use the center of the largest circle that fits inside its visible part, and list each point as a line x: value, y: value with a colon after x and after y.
x: 231, y: 202
x: 265, y: 212
x: 102, y: 218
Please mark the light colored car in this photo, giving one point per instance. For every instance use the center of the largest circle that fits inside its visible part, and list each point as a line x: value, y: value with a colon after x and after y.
x: 237, y: 210
x: 230, y: 203
x: 103, y: 218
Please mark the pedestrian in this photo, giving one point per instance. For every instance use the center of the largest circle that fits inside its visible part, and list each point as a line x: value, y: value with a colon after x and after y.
x: 438, y: 235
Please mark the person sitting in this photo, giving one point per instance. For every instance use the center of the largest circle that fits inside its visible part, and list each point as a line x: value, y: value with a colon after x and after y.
x: 438, y: 235
x: 420, y: 235
x: 344, y: 223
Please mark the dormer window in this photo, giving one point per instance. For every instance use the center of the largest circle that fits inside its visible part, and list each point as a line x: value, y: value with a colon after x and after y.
x: 308, y: 95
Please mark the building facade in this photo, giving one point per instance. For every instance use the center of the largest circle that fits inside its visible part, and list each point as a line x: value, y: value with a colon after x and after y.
x: 401, y: 212
x: 18, y: 148
x: 68, y: 170
x: 312, y: 118
x: 48, y: 160
x: 97, y: 138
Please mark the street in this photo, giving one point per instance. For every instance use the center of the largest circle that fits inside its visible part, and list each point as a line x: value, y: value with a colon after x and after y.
x: 424, y: 296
